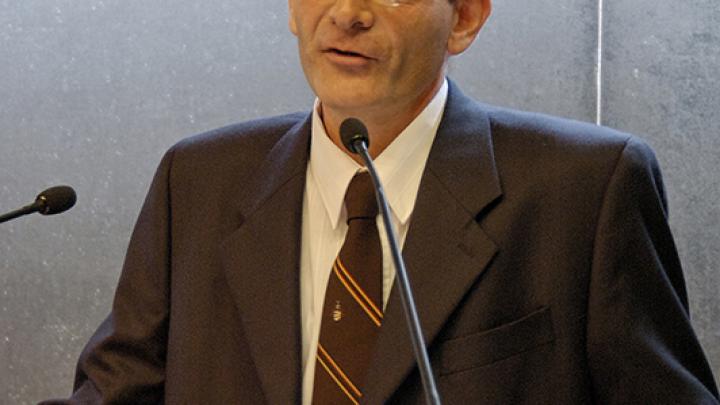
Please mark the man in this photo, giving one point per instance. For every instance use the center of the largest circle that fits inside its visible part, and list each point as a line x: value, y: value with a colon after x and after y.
x: 538, y: 248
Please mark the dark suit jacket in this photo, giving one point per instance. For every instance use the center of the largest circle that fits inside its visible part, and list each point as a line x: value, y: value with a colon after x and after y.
x: 539, y: 251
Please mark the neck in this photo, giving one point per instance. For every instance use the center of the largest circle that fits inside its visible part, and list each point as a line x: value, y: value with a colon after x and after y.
x: 384, y: 123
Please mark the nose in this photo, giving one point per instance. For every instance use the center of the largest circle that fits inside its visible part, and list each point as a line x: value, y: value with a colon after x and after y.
x: 352, y: 15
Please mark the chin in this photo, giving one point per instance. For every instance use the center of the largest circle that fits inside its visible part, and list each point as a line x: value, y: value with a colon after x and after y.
x: 348, y: 102
x: 348, y: 97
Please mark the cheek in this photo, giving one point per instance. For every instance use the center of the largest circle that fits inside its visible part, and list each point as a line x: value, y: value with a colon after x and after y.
x: 303, y: 19
x: 292, y: 25
x: 293, y: 9
x: 426, y: 53
x: 426, y: 41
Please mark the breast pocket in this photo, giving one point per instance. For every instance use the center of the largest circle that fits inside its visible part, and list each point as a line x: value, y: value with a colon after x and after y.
x: 489, y: 346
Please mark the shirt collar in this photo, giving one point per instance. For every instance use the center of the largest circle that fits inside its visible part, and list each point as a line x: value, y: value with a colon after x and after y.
x: 399, y: 166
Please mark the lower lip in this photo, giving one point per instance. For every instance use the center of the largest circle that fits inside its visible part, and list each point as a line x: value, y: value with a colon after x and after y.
x: 348, y: 61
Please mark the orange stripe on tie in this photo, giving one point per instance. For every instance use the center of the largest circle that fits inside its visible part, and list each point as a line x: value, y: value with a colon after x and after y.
x: 339, y: 384
x: 337, y: 368
x: 365, y: 308
x: 369, y: 301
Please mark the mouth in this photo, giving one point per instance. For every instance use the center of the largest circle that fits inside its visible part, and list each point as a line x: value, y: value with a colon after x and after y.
x: 346, y: 53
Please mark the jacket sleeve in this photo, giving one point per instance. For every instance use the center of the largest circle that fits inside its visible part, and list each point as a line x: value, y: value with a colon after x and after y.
x: 640, y: 343
x: 124, y: 361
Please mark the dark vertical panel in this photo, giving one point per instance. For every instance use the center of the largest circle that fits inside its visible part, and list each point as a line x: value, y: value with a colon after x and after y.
x: 535, y: 55
x: 663, y: 81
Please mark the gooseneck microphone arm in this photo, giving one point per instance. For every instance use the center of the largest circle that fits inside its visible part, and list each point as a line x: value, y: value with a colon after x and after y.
x: 355, y: 138
x: 28, y: 209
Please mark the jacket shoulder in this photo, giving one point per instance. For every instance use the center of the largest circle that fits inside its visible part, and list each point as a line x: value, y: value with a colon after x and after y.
x: 548, y: 141
x: 228, y: 155
x: 546, y: 160
x: 258, y: 132
x: 546, y: 129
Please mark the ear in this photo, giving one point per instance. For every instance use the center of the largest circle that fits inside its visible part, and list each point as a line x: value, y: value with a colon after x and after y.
x: 469, y: 16
x: 291, y: 17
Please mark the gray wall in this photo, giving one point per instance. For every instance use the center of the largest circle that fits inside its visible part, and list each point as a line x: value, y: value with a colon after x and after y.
x: 92, y: 92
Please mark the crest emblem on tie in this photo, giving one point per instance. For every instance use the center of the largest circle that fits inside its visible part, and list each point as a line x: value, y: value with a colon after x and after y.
x: 337, y: 312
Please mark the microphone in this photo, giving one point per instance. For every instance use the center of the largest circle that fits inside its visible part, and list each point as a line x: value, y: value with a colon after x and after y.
x: 352, y: 130
x: 51, y: 201
x: 355, y: 138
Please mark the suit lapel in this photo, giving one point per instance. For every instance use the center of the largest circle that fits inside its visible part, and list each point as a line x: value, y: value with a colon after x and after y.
x: 446, y: 250
x: 261, y: 260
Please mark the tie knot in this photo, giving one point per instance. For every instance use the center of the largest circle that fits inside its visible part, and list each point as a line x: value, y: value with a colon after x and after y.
x: 360, y: 198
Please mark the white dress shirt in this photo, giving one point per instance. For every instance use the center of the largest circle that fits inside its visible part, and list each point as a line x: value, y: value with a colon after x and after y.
x: 330, y: 169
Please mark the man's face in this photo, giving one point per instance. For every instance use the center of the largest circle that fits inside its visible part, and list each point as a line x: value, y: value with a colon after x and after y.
x: 360, y: 54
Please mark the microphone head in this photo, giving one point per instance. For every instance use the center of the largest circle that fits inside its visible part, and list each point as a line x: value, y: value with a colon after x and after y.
x: 353, y: 130
x: 56, y: 200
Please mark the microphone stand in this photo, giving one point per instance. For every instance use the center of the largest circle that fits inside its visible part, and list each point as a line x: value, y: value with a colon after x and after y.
x: 411, y: 316
x: 28, y: 209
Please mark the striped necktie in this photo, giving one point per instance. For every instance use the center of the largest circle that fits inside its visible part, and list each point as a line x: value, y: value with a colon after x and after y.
x: 352, y: 312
